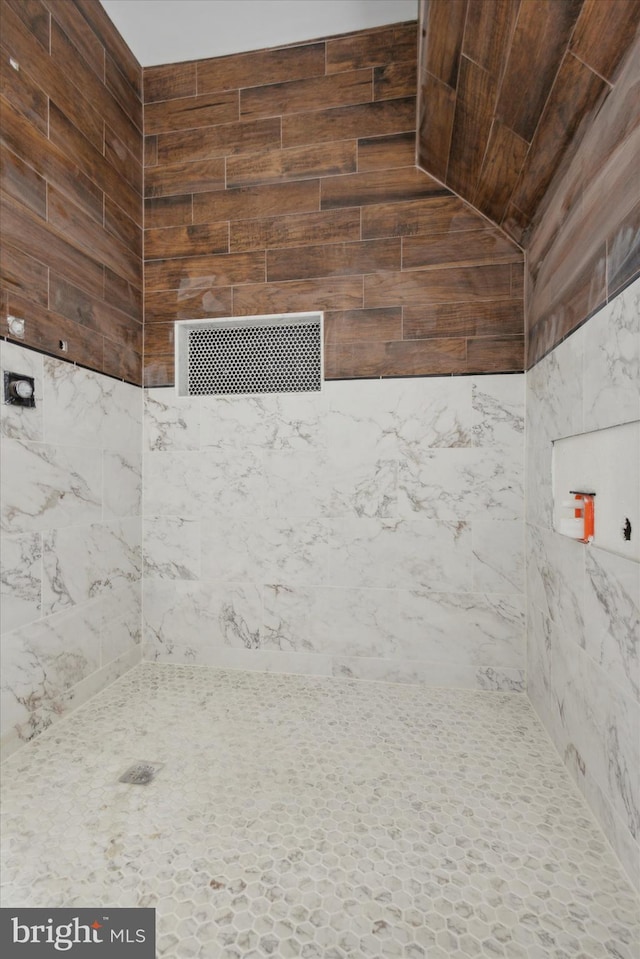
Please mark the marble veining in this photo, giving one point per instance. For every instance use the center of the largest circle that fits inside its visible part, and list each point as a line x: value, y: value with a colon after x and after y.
x: 366, y: 820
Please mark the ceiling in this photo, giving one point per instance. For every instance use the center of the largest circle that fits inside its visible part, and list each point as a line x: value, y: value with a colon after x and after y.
x: 168, y: 31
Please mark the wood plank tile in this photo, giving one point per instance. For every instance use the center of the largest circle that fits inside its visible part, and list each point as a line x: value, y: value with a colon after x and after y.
x: 541, y: 36
x: 22, y: 183
x: 94, y: 314
x: 24, y: 95
x: 425, y: 287
x: 488, y: 32
x: 575, y: 95
x: 303, y: 96
x: 187, y: 113
x: 35, y: 17
x: 399, y: 358
x: 250, y: 202
x: 123, y: 295
x: 122, y: 92
x: 495, y: 354
x: 159, y: 339
x: 623, y: 252
x: 85, y: 234
x: 294, y: 230
x: 333, y: 259
x: 186, y: 240
x: 122, y: 363
x: 202, y: 176
x: 168, y: 211
x: 442, y: 44
x: 170, y: 81
x: 125, y: 163
x: 479, y: 318
x: 372, y: 48
x: 471, y: 127
x: 517, y: 279
x: 501, y: 167
x: 360, y: 189
x: 516, y: 224
x: 87, y: 85
x: 436, y: 109
x: 435, y: 214
x: 70, y: 140
x: 395, y: 80
x: 343, y: 293
x: 110, y: 38
x: 242, y: 136
x: 458, y: 249
x: 23, y: 275
x: 261, y: 66
x: 296, y: 163
x: 205, y: 271
x: 167, y: 306
x: 79, y: 33
x: 556, y: 311
x: 158, y: 370
x: 28, y: 233
x: 386, y: 152
x: 343, y: 123
x: 604, y: 32
x: 49, y: 161
x: 123, y: 227
x: 46, y: 329
x: 150, y: 151
x: 355, y: 326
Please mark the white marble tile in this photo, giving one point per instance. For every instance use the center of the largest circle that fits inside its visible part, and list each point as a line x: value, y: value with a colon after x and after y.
x: 298, y: 485
x: 193, y: 484
x: 467, y: 629
x: 121, y: 623
x: 612, y: 617
x: 203, y: 614
x: 556, y: 579
x: 612, y: 362
x: 171, y: 547
x: 362, y: 484
x: 171, y: 422
x: 43, y: 660
x: 463, y: 484
x: 498, y: 410
x: 233, y: 548
x: 45, y: 487
x: 295, y: 421
x: 17, y: 422
x: 447, y: 675
x: 84, y: 408
x: 122, y: 483
x: 294, y: 553
x: 233, y: 422
x: 498, y: 556
x: 83, y: 562
x: 400, y: 553
x: 20, y: 579
x: 289, y: 620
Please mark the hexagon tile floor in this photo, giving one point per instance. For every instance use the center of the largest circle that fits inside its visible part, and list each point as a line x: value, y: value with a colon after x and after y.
x: 303, y: 818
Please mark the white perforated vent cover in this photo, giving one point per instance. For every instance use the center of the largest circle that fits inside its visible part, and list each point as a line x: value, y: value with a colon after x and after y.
x: 280, y: 353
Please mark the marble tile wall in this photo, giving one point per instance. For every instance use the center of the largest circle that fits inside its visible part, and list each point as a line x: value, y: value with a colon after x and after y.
x: 70, y: 540
x: 583, y: 602
x: 374, y: 530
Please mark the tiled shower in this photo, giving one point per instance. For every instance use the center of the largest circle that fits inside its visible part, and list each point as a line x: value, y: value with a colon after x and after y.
x: 339, y: 616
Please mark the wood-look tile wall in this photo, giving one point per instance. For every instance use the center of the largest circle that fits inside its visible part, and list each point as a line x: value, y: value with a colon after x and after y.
x: 285, y: 180
x: 584, y: 246
x: 71, y: 184
x: 507, y: 89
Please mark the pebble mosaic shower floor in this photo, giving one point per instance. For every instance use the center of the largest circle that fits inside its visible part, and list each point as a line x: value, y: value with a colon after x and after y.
x: 304, y: 818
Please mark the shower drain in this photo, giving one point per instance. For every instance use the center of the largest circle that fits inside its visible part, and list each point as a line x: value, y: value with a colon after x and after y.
x: 140, y: 773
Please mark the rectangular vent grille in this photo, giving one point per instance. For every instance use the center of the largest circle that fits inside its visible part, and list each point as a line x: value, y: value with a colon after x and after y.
x: 265, y: 354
